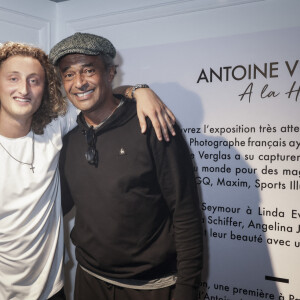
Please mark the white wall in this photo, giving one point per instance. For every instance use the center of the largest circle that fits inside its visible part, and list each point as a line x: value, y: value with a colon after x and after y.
x: 140, y: 23
x: 30, y: 21
x: 132, y: 24
x: 135, y: 23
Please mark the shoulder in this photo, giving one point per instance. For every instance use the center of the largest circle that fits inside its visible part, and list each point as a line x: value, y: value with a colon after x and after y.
x: 71, y: 134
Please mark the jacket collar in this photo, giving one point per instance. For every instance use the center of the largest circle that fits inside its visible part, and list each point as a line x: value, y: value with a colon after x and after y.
x: 122, y: 115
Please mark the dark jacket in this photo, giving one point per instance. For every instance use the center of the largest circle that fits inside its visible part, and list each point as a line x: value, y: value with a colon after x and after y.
x: 137, y: 212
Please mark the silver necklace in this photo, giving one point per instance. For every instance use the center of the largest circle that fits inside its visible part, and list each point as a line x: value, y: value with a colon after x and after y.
x: 22, y: 162
x: 99, y: 125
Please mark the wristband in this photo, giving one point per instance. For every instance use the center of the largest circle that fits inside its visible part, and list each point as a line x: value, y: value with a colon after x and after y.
x: 138, y: 86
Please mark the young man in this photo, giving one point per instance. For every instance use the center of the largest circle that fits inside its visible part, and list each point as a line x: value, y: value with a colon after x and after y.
x: 137, y: 225
x: 31, y: 129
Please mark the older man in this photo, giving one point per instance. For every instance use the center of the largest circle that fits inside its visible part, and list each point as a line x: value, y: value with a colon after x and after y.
x: 137, y: 226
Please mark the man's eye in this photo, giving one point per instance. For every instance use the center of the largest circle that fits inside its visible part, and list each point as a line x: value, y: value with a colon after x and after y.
x: 68, y: 76
x: 33, y: 81
x: 13, y: 79
x: 90, y: 71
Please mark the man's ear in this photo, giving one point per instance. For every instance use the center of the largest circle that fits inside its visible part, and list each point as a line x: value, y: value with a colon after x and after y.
x: 112, y: 73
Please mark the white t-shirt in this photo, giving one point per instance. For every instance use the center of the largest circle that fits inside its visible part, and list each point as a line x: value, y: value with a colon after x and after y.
x: 31, y: 228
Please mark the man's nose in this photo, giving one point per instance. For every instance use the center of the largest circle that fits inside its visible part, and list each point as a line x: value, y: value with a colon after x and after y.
x: 23, y: 88
x: 80, y: 82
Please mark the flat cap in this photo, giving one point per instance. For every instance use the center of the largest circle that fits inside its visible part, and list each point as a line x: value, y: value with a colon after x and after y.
x: 82, y: 43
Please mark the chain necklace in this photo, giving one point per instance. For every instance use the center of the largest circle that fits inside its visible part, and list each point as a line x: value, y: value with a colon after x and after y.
x: 21, y: 162
x: 99, y: 125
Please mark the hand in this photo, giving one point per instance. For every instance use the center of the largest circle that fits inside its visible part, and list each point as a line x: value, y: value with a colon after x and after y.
x: 150, y: 105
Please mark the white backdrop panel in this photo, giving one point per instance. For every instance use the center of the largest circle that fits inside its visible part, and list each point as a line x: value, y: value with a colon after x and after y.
x: 242, y: 125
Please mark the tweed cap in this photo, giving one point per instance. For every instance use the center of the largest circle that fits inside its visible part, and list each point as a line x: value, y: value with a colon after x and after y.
x: 82, y: 43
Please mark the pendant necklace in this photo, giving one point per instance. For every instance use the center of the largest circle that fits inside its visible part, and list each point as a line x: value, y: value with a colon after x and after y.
x: 22, y: 162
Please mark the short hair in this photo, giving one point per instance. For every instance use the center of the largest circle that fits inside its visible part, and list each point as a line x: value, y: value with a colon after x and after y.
x: 53, y: 104
x: 108, y: 62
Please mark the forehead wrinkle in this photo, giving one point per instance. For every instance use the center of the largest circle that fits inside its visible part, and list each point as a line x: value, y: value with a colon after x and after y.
x: 82, y: 66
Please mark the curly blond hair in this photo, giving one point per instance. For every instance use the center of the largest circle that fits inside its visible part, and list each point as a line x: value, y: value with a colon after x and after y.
x: 53, y: 104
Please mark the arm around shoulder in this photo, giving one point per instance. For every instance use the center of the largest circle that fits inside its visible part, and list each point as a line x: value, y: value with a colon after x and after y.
x: 150, y: 105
